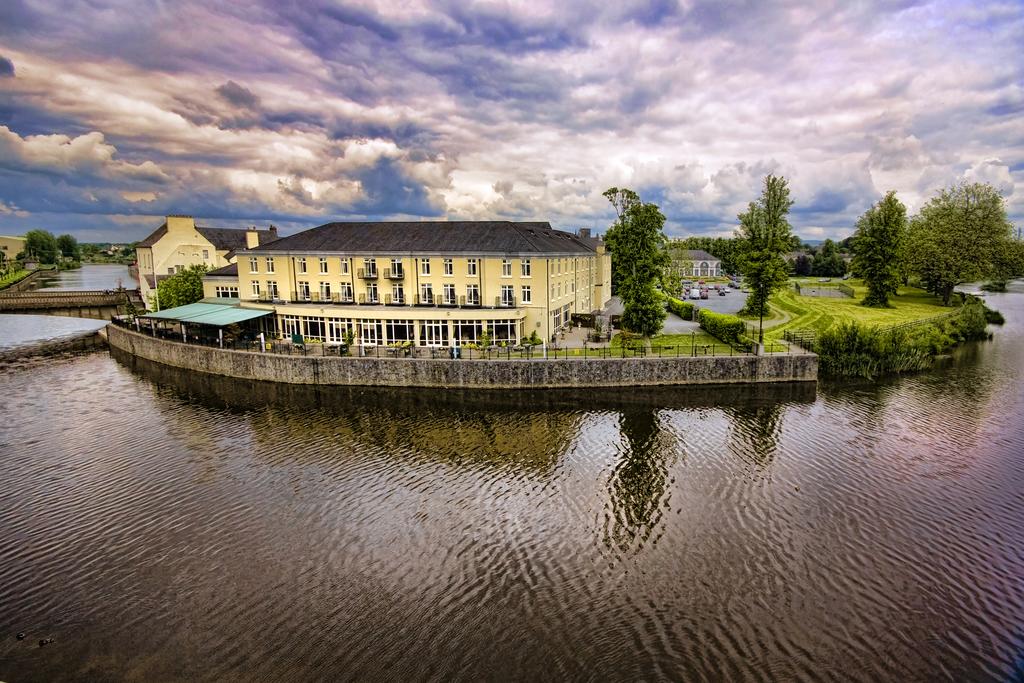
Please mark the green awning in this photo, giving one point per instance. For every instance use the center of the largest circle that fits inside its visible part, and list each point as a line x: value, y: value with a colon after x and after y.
x: 217, y: 315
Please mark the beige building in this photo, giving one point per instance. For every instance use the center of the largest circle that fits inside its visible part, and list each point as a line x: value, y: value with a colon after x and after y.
x: 180, y: 243
x: 10, y: 247
x: 432, y: 283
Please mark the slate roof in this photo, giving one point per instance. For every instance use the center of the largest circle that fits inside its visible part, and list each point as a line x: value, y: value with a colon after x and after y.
x: 700, y: 255
x: 430, y: 237
x: 222, y: 239
x: 229, y: 270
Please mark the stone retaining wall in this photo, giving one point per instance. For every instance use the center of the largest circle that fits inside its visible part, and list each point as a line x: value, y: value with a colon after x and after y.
x: 83, y: 341
x: 405, y: 372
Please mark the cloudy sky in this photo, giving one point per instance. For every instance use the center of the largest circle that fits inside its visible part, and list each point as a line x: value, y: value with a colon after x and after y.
x: 114, y: 114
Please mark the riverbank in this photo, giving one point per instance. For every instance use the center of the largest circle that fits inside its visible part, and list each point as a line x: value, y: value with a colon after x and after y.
x: 79, y: 342
x: 466, y: 374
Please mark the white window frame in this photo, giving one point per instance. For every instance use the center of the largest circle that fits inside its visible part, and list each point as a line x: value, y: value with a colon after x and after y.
x: 448, y: 267
x: 345, y: 292
x: 270, y: 264
x: 449, y: 294
x: 325, y: 291
x: 473, y: 294
x: 300, y: 264
x: 372, y: 294
x: 256, y: 288
x: 344, y: 266
x: 254, y: 264
x: 471, y: 267
x: 525, y: 268
x: 525, y: 294
x: 424, y: 266
x: 506, y: 267
x: 324, y: 269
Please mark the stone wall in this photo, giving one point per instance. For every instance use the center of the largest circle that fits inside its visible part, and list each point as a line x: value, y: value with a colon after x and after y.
x: 398, y: 372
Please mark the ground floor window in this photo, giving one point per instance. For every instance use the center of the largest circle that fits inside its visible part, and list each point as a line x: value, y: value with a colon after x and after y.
x: 315, y: 328
x: 400, y: 330
x: 468, y: 332
x: 291, y: 324
x: 434, y: 333
x: 556, y: 319
x: 369, y: 332
x: 336, y: 329
x: 505, y: 331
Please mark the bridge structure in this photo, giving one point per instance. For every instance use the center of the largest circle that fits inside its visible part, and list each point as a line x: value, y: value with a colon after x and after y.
x: 99, y: 304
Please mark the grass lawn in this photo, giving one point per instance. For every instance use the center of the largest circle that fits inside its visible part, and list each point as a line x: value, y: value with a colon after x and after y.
x: 820, y: 313
x: 673, y: 340
x: 14, y: 277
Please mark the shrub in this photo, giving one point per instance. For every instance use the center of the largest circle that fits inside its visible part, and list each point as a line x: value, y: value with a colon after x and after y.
x: 684, y: 309
x: 727, y: 328
x: 994, y: 317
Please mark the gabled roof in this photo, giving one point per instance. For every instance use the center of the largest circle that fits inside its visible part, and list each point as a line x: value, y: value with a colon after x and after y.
x: 700, y: 255
x: 230, y: 239
x: 222, y: 239
x: 229, y: 270
x: 430, y: 237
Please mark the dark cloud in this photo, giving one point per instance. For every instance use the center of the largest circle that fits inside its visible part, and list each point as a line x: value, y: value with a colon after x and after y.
x: 6, y: 67
x: 238, y: 95
x: 387, y: 190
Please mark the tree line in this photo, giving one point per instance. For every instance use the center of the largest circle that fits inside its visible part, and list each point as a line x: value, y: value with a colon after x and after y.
x: 961, y: 235
x: 43, y: 247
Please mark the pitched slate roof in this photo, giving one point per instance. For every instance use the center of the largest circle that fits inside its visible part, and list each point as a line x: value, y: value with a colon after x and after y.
x: 231, y: 239
x: 700, y: 255
x: 430, y: 237
x: 229, y: 270
x: 222, y: 239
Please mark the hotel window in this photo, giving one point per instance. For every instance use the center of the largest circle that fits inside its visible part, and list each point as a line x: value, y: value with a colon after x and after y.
x: 256, y: 289
x: 425, y: 266
x: 344, y: 266
x: 396, y: 268
x: 524, y: 267
x: 573, y: 287
x: 471, y: 266
x: 434, y: 333
x: 227, y: 292
x: 272, y: 289
x: 369, y: 332
x: 506, y: 268
x: 371, y: 293
x: 449, y: 268
x: 206, y: 254
x: 325, y: 291
x: 508, y: 297
x: 345, y: 292
x: 449, y: 294
x: 303, y: 291
x: 292, y: 325
x: 557, y: 318
x: 301, y: 264
x: 527, y: 296
x: 370, y: 265
x: 398, y: 294
x: 270, y: 264
x: 323, y: 266
x: 426, y: 294
x: 254, y: 265
x: 473, y: 295
x: 504, y: 331
x: 400, y: 330
x: 315, y: 328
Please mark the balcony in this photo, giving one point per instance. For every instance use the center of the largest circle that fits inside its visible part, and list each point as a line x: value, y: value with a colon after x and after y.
x: 390, y: 300
x: 420, y: 300
x: 368, y: 299
x: 504, y: 302
x: 469, y: 301
x: 367, y: 273
x: 449, y: 301
x: 394, y: 274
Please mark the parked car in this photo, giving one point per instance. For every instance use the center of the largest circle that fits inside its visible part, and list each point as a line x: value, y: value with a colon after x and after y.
x: 722, y: 292
x: 704, y: 293
x: 694, y: 293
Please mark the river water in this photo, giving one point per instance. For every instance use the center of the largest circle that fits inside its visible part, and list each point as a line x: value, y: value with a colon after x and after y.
x: 165, y: 526
x: 90, y: 276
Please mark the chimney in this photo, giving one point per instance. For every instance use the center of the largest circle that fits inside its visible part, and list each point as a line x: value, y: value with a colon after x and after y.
x: 252, y: 238
x: 273, y: 232
x: 584, y: 233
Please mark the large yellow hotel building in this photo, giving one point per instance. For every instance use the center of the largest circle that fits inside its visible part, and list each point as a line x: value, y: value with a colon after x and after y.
x: 436, y: 283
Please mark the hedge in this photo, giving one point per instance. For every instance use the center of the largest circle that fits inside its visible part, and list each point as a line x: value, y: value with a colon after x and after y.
x: 727, y: 328
x: 684, y: 309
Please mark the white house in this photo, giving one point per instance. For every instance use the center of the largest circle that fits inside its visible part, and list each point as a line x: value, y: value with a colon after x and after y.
x: 701, y: 264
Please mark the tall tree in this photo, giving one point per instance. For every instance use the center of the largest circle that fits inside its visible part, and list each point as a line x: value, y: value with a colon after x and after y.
x: 765, y: 234
x: 41, y: 245
x: 68, y: 247
x: 878, y: 249
x: 185, y: 287
x: 957, y: 236
x: 637, y: 246
x: 828, y: 262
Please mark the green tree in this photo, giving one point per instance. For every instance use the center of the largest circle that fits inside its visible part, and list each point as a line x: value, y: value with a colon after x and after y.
x: 637, y: 245
x: 68, y: 247
x: 957, y: 237
x: 878, y: 249
x: 185, y: 287
x: 41, y: 245
x: 828, y: 262
x: 765, y: 237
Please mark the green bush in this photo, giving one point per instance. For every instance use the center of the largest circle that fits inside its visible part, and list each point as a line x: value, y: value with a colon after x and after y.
x: 727, y: 328
x: 684, y: 309
x: 994, y: 317
x: 852, y: 350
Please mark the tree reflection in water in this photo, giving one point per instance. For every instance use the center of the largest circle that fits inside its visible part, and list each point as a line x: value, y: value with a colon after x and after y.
x: 755, y: 433
x: 639, y: 485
